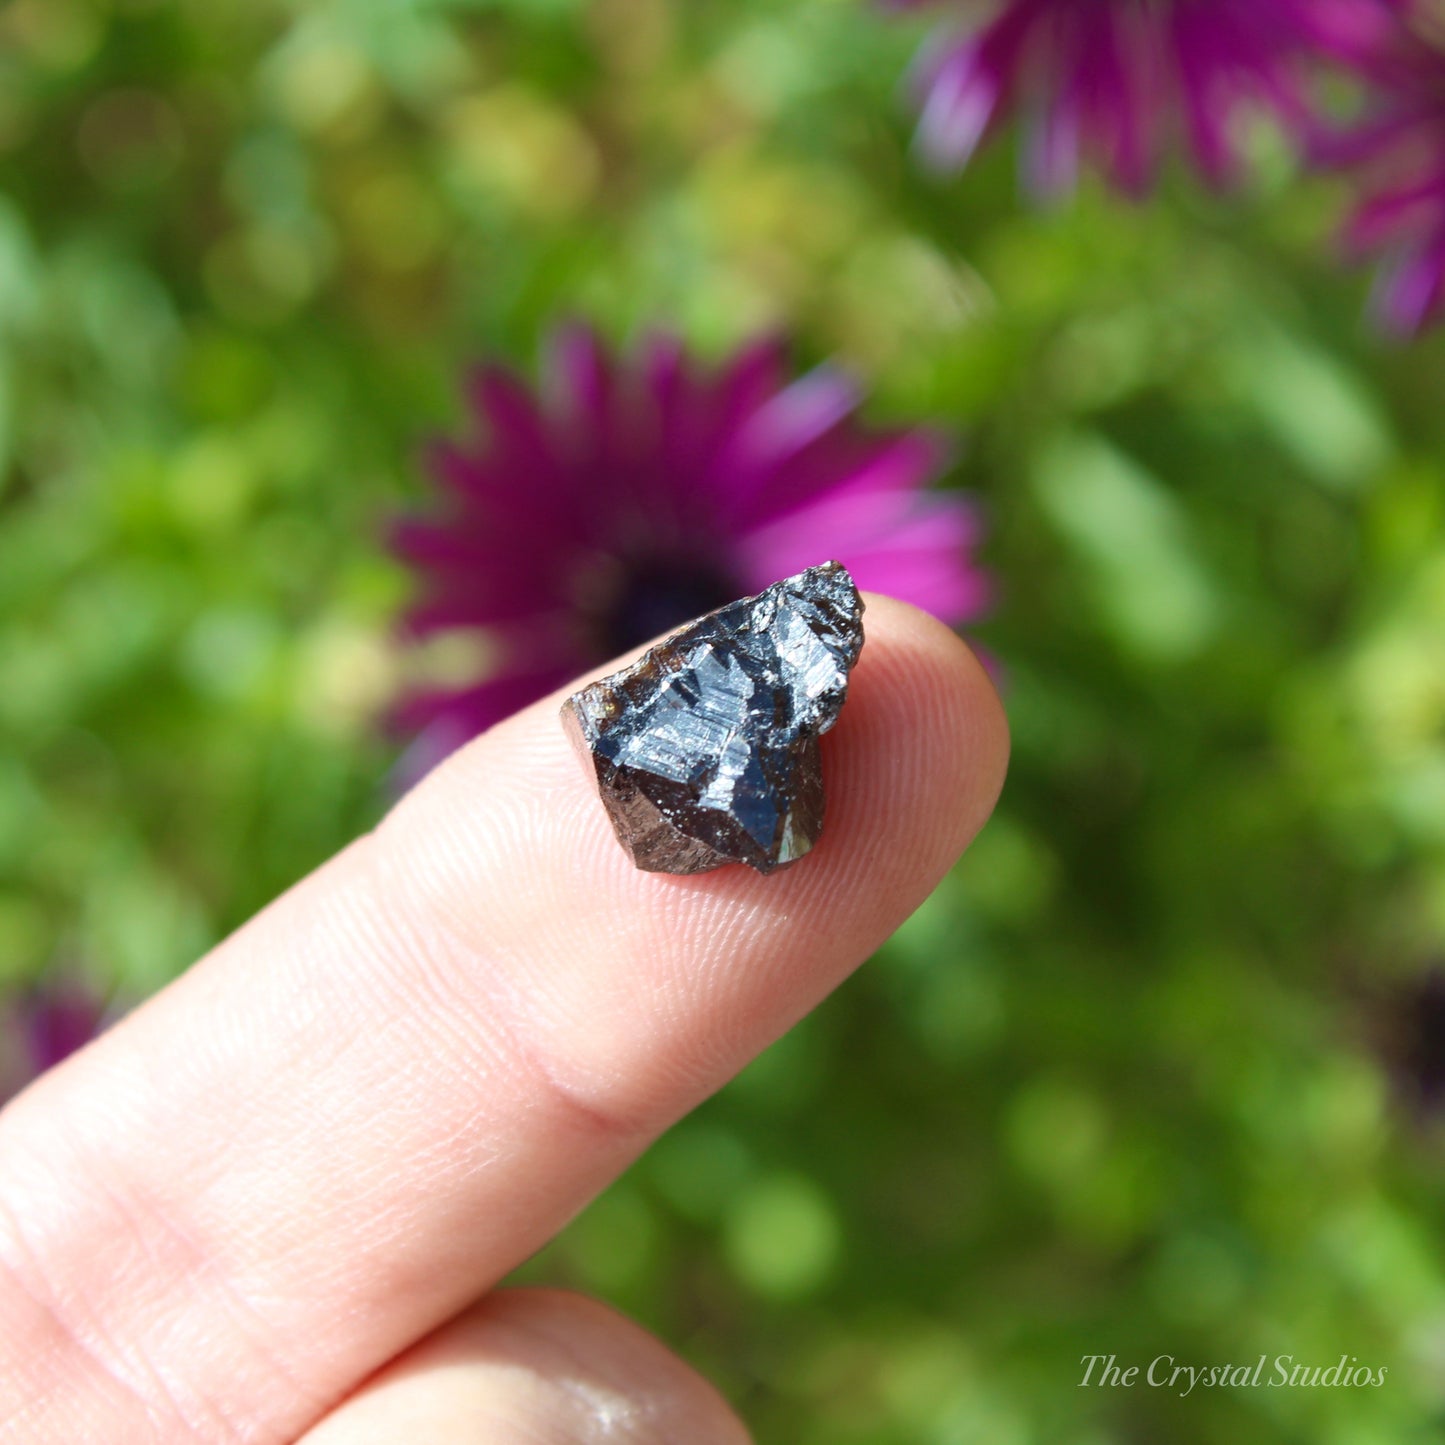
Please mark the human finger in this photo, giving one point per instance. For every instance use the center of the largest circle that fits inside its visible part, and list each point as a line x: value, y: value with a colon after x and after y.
x: 526, y: 1366
x: 400, y: 1079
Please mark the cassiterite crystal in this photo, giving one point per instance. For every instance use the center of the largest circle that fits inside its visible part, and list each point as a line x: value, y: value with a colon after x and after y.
x: 705, y: 750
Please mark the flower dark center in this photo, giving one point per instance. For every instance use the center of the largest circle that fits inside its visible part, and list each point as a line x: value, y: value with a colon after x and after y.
x: 657, y: 595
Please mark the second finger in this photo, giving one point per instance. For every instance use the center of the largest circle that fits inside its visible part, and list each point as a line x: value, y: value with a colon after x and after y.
x: 524, y: 1367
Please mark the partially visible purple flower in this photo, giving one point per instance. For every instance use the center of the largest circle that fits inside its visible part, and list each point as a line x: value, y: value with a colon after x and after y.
x: 1111, y: 82
x: 638, y: 491
x: 1398, y: 151
x: 45, y: 1025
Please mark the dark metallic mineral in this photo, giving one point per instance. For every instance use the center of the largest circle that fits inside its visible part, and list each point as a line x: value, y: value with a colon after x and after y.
x: 705, y: 750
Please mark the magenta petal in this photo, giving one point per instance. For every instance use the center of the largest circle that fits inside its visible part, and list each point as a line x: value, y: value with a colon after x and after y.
x: 1204, y: 117
x: 963, y: 96
x: 515, y: 418
x: 457, y: 468
x: 789, y: 423
x: 1409, y: 292
x: 798, y: 415
x: 1120, y: 85
x: 1053, y: 152
x: 1393, y: 213
x: 519, y: 431
x: 487, y: 603
x: 966, y: 84
x: 479, y: 482
x: 845, y: 522
x: 711, y: 438
x: 437, y: 546
x: 911, y: 547
x: 755, y: 374
x: 58, y: 1019
x: 664, y: 366
x: 742, y: 405
x: 583, y: 375
x: 897, y: 462
x: 937, y: 582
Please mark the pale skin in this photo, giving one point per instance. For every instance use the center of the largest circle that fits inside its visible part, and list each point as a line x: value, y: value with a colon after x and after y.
x: 273, y: 1204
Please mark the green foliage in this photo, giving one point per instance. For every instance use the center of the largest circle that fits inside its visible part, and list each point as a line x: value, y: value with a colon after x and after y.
x: 1116, y: 1088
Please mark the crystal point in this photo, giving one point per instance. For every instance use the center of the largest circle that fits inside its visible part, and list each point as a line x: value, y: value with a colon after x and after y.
x: 705, y: 750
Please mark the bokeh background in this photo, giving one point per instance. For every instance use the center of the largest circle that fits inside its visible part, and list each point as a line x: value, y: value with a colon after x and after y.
x: 1158, y: 1068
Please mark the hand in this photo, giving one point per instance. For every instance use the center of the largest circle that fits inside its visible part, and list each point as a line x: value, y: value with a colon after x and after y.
x: 270, y: 1204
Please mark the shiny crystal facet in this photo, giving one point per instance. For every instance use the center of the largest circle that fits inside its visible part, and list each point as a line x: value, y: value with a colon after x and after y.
x: 705, y: 750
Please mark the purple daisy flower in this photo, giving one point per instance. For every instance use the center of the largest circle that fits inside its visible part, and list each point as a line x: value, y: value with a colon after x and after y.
x: 45, y: 1025
x: 1398, y: 150
x: 1110, y: 81
x: 638, y: 491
